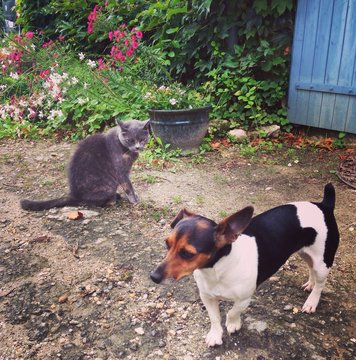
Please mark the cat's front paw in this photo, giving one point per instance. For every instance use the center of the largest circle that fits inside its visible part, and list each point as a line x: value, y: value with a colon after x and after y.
x: 133, y: 198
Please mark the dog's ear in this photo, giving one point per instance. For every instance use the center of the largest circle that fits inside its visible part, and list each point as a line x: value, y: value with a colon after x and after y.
x: 228, y: 230
x: 181, y: 215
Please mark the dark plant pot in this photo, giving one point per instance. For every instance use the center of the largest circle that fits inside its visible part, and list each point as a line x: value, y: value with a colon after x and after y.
x: 182, y: 129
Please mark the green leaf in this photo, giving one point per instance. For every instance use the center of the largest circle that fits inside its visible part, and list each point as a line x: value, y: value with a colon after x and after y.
x: 172, y: 30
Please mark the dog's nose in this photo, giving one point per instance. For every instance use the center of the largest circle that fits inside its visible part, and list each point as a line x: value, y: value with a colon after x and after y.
x: 156, y: 276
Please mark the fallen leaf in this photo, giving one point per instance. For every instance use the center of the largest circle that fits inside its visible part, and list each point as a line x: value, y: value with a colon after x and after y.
x: 41, y: 239
x: 74, y: 215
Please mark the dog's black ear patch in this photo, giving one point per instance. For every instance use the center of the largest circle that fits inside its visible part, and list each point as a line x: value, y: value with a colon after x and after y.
x: 181, y: 215
x: 230, y: 228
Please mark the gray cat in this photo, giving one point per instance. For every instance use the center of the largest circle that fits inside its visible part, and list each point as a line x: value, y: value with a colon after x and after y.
x: 99, y: 165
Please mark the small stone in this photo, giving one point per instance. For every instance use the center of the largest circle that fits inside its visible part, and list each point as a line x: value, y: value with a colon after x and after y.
x: 140, y: 331
x: 63, y: 298
x: 170, y: 311
x: 238, y: 134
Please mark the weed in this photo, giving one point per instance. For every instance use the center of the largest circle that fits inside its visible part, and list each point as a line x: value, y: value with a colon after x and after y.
x: 149, y: 179
x: 223, y: 213
x: 221, y: 179
x: 177, y: 199
x: 339, y: 143
x: 156, y: 150
x: 200, y: 200
x: 248, y: 150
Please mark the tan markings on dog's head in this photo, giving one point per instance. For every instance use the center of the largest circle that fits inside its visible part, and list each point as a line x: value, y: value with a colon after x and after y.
x: 182, y: 258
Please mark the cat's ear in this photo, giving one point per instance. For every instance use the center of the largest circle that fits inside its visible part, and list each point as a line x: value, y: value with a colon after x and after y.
x: 118, y: 122
x: 146, y: 124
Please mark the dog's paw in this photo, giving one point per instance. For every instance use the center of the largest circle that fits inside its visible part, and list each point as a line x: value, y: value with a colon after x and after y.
x: 214, y: 337
x: 311, y: 304
x: 308, y: 286
x: 233, y: 325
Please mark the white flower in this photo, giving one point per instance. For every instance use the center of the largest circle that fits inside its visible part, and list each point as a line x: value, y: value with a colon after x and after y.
x: 81, y: 56
x: 91, y: 63
x: 14, y: 75
x: 162, y: 88
x: 82, y: 101
x: 33, y: 46
x: 172, y: 101
x: 147, y: 95
x: 74, y: 80
x: 85, y: 85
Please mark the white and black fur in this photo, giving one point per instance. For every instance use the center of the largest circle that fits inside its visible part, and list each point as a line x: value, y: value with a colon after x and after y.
x: 242, y: 252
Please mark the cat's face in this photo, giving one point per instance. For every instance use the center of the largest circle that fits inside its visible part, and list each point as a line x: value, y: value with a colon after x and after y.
x: 133, y: 134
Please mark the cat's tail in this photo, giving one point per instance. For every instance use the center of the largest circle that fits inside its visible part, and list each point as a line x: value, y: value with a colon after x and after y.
x: 47, y: 204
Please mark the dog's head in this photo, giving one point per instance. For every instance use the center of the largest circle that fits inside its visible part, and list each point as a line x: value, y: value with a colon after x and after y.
x: 195, y: 240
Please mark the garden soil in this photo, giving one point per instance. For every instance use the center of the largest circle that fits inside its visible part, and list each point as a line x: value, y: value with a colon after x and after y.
x: 75, y: 281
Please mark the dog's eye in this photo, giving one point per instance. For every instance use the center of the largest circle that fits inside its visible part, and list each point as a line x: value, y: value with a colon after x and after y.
x: 184, y: 254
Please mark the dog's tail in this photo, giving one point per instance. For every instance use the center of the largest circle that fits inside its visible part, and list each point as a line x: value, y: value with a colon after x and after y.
x: 47, y: 204
x: 329, y: 196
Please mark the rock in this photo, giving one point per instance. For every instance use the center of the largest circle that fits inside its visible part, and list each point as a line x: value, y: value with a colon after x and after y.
x: 238, y: 134
x: 272, y: 130
x: 140, y: 331
x: 63, y: 298
x: 259, y: 326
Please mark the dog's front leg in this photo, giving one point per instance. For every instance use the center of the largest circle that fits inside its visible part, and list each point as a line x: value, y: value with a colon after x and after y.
x: 214, y: 336
x: 233, y: 317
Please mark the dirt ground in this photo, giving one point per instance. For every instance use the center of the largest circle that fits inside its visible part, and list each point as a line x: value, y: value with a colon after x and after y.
x: 80, y: 289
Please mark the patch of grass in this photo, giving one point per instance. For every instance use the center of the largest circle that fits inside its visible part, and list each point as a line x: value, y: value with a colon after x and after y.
x: 150, y: 179
x: 248, y: 150
x: 221, y: 179
x: 200, y: 200
x: 223, y: 214
x: 177, y: 199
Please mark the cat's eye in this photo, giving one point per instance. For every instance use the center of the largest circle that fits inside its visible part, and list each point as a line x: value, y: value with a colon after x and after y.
x: 186, y: 255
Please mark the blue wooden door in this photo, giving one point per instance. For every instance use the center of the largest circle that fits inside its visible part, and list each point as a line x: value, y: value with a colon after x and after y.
x: 322, y: 89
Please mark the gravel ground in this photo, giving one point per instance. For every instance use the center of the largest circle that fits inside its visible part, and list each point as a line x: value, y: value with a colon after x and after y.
x: 80, y: 289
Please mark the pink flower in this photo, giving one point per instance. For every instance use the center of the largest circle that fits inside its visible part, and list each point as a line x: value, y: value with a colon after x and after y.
x: 106, y: 3
x: 111, y: 35
x: 135, y: 44
x: 101, y: 64
x: 117, y: 35
x: 29, y: 34
x: 139, y: 34
x: 113, y: 50
x: 129, y: 52
x: 127, y: 42
x: 61, y: 38
x: 44, y: 45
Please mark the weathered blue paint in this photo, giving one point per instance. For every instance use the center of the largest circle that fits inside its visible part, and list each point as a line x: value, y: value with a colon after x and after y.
x: 322, y: 89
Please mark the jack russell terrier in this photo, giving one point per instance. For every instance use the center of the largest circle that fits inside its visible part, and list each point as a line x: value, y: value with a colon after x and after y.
x: 232, y: 258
